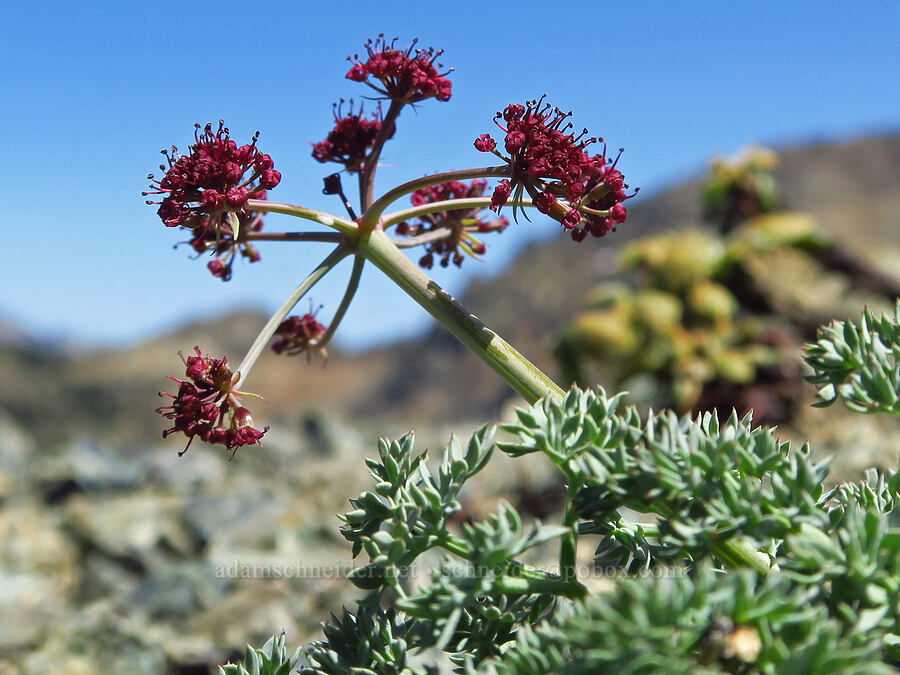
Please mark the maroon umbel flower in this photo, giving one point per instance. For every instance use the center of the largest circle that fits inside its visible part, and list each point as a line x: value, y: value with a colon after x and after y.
x: 404, y: 75
x: 298, y: 334
x: 351, y: 138
x: 207, y: 190
x: 460, y: 224
x: 206, y: 405
x: 583, y: 192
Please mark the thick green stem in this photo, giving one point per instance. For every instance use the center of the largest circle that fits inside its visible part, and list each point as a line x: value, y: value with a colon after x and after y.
x: 568, y: 544
x: 519, y: 373
x: 367, y: 175
x: 525, y: 378
x: 281, y: 313
x: 735, y: 552
x: 373, y: 213
x: 522, y: 586
x: 522, y: 578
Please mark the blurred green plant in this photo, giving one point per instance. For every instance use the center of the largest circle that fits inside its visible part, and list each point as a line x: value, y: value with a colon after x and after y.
x: 741, y: 188
x: 695, y: 322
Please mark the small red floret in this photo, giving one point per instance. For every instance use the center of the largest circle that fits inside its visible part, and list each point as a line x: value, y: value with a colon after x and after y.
x: 350, y: 139
x: 406, y: 75
x: 207, y: 406
x: 485, y: 143
x: 583, y: 192
x: 298, y: 334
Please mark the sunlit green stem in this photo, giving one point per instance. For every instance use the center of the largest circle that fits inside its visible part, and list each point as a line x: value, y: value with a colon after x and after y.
x: 421, y: 239
x: 734, y: 552
x: 367, y: 175
x: 281, y: 313
x: 321, y: 237
x: 568, y: 588
x: 352, y: 285
x: 342, y: 225
x: 447, y: 205
x: 568, y: 545
x: 373, y: 213
x: 520, y: 374
x: 523, y: 578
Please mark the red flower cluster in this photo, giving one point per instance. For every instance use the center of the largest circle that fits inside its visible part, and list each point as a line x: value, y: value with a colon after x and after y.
x: 350, y: 139
x: 460, y: 224
x: 298, y: 334
x: 405, y: 75
x: 224, y: 245
x: 208, y: 189
x: 552, y: 165
x: 206, y: 405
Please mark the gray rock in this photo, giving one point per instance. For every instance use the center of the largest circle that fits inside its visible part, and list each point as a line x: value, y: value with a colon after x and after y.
x: 32, y: 600
x: 201, y: 466
x: 175, y: 591
x: 38, y: 573
x: 87, y: 467
x: 130, y: 528
x: 16, y: 446
x: 230, y: 516
x: 98, y: 639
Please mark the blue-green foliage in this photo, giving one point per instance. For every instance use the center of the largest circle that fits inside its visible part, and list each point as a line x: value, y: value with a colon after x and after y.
x: 706, y: 481
x: 705, y: 499
x: 706, y: 623
x: 858, y: 362
x: 369, y: 641
x: 272, y: 659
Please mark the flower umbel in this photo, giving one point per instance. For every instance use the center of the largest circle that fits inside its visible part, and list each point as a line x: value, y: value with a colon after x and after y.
x: 404, y: 75
x: 298, y: 334
x: 206, y: 405
x: 207, y: 190
x: 583, y: 192
x: 351, y: 138
x: 460, y: 224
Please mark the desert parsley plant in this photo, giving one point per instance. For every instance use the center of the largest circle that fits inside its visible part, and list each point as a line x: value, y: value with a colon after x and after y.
x: 727, y: 552
x: 218, y: 192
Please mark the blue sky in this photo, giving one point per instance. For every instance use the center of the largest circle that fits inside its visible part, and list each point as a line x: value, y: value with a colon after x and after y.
x: 92, y: 94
